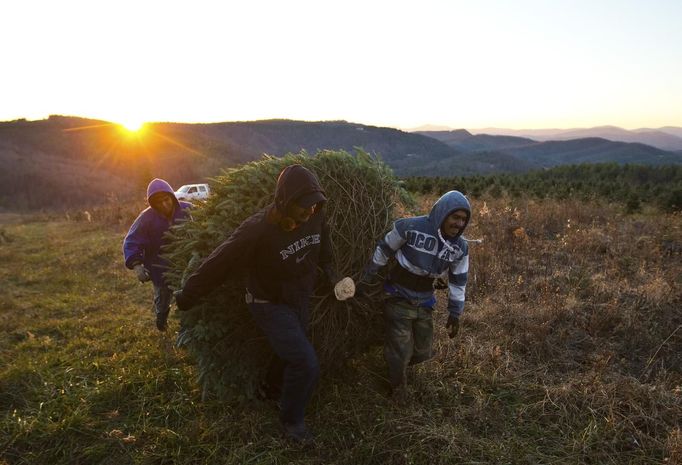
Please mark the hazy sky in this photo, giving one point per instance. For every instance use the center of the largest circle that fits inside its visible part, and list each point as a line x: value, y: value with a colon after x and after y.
x: 471, y: 64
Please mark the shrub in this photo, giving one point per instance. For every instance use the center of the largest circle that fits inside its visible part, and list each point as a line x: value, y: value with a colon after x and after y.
x: 363, y: 195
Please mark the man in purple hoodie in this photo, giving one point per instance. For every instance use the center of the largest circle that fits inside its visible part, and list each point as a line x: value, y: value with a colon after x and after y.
x: 279, y: 250
x: 143, y: 242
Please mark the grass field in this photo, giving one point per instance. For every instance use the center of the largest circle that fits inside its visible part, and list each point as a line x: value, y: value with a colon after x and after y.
x: 570, y: 352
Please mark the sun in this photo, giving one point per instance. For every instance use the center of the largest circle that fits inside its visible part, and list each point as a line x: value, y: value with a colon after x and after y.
x: 133, y: 125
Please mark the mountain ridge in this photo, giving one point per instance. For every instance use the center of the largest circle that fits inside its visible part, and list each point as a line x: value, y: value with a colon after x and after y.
x: 95, y: 159
x: 665, y: 138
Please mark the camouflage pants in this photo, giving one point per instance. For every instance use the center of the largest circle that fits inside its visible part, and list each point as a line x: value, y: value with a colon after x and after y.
x: 409, y: 337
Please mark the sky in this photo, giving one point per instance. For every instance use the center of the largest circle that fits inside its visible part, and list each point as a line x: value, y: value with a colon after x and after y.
x: 461, y: 64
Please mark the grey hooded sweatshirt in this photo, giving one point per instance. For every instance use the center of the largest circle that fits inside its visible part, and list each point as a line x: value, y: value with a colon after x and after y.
x: 423, y: 254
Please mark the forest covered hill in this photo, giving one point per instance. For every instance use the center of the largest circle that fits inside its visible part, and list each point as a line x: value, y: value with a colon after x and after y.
x: 65, y: 161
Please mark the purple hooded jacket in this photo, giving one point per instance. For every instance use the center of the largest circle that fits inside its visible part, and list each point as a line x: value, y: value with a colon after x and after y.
x: 143, y: 242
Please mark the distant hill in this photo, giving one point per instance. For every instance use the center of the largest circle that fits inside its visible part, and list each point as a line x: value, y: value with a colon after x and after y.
x: 95, y: 159
x: 278, y: 137
x: 486, y: 162
x: 489, y: 153
x: 65, y: 161
x: 429, y: 127
x: 675, y: 131
x: 447, y: 136
x: 667, y: 138
x: 592, y: 150
x: 32, y: 180
x: 654, y: 138
x: 463, y: 140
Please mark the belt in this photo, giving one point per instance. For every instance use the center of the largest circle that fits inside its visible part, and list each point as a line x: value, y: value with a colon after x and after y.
x: 392, y: 295
x: 411, y: 281
x: 415, y: 303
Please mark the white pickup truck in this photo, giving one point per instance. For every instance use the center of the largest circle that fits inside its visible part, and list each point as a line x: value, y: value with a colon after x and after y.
x: 193, y: 192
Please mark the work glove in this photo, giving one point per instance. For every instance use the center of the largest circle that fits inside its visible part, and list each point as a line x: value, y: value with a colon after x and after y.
x: 452, y: 325
x: 142, y: 273
x: 182, y: 301
x: 344, y: 289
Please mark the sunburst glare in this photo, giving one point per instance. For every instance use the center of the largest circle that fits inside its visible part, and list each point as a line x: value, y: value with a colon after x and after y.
x: 133, y: 125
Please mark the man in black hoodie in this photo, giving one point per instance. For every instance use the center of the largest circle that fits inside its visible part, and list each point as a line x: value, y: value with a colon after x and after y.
x: 280, y: 248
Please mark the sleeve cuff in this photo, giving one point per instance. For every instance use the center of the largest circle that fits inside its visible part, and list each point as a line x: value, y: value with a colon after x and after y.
x: 131, y: 263
x: 456, y: 308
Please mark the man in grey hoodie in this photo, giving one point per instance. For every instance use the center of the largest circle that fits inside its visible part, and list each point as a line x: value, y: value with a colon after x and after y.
x: 425, y: 248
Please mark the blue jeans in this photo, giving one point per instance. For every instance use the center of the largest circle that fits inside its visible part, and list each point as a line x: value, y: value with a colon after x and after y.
x: 285, y: 328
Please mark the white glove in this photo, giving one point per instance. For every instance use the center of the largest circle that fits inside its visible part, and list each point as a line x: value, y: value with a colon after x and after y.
x: 344, y: 289
x: 142, y: 273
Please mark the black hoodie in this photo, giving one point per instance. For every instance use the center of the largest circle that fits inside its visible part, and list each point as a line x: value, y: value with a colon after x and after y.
x: 280, y: 265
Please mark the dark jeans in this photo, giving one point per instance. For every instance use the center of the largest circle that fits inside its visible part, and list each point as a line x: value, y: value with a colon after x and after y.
x: 285, y: 328
x: 162, y: 299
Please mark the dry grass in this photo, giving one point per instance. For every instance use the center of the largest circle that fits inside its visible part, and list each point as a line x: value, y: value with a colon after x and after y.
x: 581, y: 281
x: 584, y: 304
x: 569, y: 353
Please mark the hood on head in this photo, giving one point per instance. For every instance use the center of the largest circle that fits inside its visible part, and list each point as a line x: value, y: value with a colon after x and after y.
x: 449, y: 202
x: 295, y: 181
x: 159, y: 185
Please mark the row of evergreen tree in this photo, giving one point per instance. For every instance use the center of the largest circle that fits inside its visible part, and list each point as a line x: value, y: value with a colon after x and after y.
x: 631, y: 185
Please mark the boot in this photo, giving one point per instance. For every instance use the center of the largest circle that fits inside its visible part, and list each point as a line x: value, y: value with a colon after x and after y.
x: 161, y: 321
x: 298, y: 434
x: 399, y: 395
